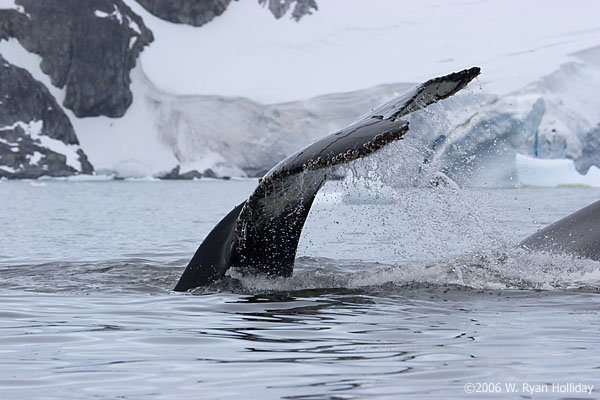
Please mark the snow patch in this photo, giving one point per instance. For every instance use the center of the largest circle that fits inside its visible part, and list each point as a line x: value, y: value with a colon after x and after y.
x: 6, y: 142
x: 15, y: 54
x: 35, y: 158
x: 8, y: 169
x: 134, y: 26
x: 119, y: 17
x: 129, y: 146
x: 13, y: 126
x: 116, y: 14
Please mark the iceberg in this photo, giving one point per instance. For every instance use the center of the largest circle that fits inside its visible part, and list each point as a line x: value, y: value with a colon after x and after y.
x: 533, y: 171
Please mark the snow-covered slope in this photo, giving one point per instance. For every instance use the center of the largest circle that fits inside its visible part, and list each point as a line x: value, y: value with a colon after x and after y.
x: 354, y: 44
x: 229, y: 136
x: 240, y: 93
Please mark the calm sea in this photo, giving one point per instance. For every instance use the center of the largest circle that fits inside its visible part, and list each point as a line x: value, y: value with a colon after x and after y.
x: 408, y: 293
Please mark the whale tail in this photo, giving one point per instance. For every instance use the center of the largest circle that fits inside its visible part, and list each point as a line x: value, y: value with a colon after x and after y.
x: 262, y: 233
x: 213, y: 257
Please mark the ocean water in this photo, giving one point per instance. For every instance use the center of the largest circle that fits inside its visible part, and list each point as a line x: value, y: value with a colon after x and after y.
x: 397, y: 293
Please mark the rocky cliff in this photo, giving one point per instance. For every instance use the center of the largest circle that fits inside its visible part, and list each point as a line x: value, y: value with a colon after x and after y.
x: 191, y: 12
x: 200, y: 12
x: 87, y: 47
x: 36, y: 137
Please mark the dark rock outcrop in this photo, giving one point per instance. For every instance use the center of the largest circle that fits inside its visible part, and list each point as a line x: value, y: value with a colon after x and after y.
x: 88, y: 46
x: 193, y: 174
x: 191, y: 12
x: 301, y: 7
x: 200, y: 12
x: 36, y: 137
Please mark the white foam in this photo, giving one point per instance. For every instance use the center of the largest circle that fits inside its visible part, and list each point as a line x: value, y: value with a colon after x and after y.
x: 492, y: 270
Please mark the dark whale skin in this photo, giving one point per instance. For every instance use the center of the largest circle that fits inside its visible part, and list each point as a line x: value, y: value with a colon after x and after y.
x: 577, y: 234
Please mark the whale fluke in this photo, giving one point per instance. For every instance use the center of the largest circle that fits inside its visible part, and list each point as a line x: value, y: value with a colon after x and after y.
x: 577, y: 234
x: 262, y: 233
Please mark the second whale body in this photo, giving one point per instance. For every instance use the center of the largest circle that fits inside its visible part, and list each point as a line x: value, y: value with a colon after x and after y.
x: 577, y: 234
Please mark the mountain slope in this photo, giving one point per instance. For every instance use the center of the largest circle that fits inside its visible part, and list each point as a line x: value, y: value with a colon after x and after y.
x: 36, y: 137
x: 242, y: 91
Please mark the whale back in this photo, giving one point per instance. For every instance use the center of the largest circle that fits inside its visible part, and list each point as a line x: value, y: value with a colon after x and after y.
x: 262, y: 234
x: 577, y: 234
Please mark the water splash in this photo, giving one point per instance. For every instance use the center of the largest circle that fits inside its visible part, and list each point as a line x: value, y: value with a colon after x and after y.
x: 494, y: 270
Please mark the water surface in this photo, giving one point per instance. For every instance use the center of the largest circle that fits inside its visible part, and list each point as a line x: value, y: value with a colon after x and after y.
x: 412, y: 293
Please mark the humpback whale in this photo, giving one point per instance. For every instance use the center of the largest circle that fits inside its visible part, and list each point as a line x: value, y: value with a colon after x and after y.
x: 262, y: 233
x: 577, y: 234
